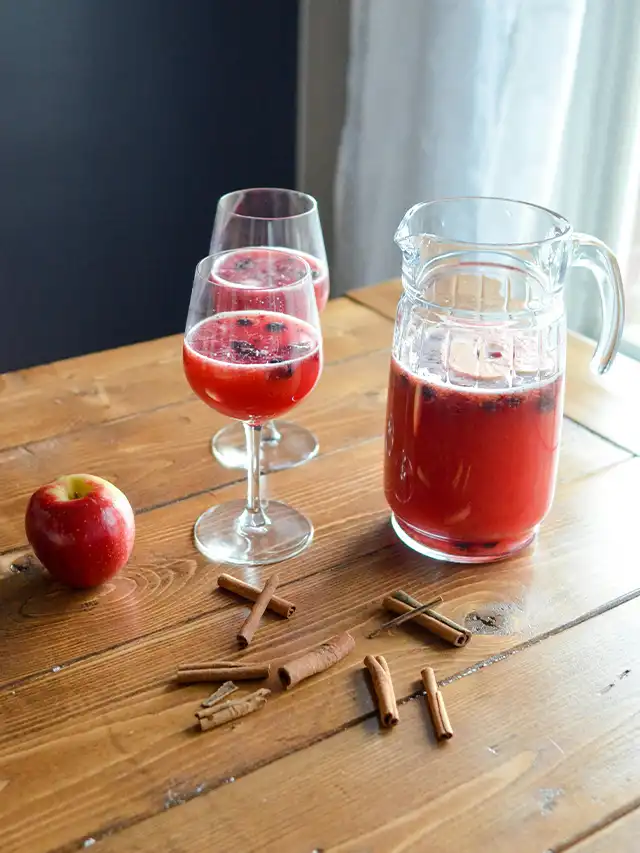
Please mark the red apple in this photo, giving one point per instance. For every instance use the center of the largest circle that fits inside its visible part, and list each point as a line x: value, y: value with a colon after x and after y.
x: 81, y: 528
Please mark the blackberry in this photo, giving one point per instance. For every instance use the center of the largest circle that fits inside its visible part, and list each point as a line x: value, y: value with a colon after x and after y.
x: 284, y: 372
x: 428, y: 394
x: 547, y: 399
x: 244, y: 348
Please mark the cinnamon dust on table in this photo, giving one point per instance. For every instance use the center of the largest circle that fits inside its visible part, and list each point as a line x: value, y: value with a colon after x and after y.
x: 316, y: 660
x: 276, y: 604
x: 232, y: 709
x: 439, y: 716
x: 252, y: 622
x: 383, y: 687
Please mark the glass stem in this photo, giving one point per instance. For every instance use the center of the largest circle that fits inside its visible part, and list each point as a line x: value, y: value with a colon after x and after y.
x: 253, y: 515
x: 271, y: 433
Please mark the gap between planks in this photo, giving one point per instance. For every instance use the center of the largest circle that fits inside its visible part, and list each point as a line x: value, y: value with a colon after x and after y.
x: 600, y: 825
x: 237, y: 481
x: 34, y: 676
x: 563, y: 847
x: 133, y: 642
x: 26, y: 447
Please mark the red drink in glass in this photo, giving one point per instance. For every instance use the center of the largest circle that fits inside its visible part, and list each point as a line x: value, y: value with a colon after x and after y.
x: 252, y: 365
x: 470, y: 472
x: 254, y: 269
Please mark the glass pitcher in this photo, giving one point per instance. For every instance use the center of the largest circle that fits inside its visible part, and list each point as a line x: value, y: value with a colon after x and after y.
x: 476, y: 383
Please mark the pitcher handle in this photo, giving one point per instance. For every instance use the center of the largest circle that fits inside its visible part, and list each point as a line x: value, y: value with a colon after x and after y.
x: 594, y: 255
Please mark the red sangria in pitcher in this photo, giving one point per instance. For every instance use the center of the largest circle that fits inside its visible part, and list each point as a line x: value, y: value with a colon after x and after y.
x: 476, y: 383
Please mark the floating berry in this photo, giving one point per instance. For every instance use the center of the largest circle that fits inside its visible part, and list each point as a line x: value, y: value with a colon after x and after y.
x: 244, y: 349
x: 275, y: 327
x: 428, y: 394
x: 547, y: 399
x: 284, y: 372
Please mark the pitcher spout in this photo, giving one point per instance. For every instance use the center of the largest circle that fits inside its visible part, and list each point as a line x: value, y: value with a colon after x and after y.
x: 408, y: 237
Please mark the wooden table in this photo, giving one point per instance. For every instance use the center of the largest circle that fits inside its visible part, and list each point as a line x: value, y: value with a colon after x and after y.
x: 97, y: 745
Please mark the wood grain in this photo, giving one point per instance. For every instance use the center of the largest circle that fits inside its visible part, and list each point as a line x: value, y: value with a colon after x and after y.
x: 607, y: 404
x: 604, y: 404
x: 382, y: 298
x: 163, y: 455
x: 495, y: 786
x: 121, y: 738
x: 618, y: 836
x: 94, y: 735
x: 68, y: 395
x: 167, y: 581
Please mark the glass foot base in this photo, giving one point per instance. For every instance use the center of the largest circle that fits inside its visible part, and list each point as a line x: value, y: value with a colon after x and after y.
x: 218, y: 536
x: 294, y: 446
x: 455, y: 551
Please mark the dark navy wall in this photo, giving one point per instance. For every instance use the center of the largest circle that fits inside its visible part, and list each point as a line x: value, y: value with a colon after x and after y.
x: 121, y: 122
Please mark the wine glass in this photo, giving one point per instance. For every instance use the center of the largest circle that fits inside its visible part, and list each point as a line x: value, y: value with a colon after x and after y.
x: 285, y: 219
x: 252, y: 353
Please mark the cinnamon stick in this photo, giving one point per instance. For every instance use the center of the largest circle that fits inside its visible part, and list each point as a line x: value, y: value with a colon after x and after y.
x: 383, y: 686
x: 277, y: 605
x: 248, y: 672
x: 401, y: 595
x: 432, y: 621
x: 404, y: 617
x: 439, y: 716
x: 413, y: 602
x: 221, y: 693
x: 317, y: 660
x: 251, y: 623
x: 234, y: 709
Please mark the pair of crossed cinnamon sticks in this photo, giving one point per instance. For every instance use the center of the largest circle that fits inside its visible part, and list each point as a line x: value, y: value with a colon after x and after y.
x: 387, y: 705
x: 263, y: 601
x: 409, y: 608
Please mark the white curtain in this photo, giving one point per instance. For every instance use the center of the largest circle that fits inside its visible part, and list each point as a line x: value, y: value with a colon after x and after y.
x: 531, y: 99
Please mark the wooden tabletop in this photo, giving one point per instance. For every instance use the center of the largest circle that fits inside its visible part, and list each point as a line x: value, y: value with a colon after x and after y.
x: 97, y: 743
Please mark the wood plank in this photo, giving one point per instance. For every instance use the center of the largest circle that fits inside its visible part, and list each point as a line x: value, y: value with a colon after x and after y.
x: 57, y: 398
x: 524, y: 770
x: 620, y: 836
x: 608, y: 405
x: 163, y: 455
x: 382, y: 298
x: 604, y: 404
x: 67, y: 395
x: 164, y: 582
x: 121, y: 739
